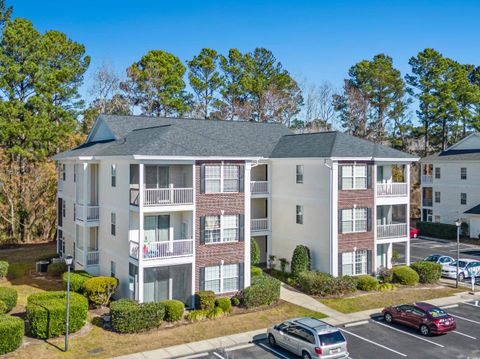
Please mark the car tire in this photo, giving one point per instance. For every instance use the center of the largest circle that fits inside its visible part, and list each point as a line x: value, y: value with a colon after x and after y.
x: 424, y: 330
x: 388, y: 317
x: 305, y: 355
x: 461, y: 277
x: 271, y: 340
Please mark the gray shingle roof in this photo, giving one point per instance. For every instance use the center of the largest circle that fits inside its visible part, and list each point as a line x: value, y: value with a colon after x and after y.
x: 474, y: 210
x: 454, y: 155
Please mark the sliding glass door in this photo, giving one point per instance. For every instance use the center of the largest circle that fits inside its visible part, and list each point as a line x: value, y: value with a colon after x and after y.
x: 157, y: 228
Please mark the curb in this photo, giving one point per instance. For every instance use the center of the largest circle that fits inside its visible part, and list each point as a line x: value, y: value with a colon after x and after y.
x: 354, y: 324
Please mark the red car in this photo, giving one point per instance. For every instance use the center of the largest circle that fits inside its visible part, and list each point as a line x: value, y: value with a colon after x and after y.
x: 414, y: 232
x: 423, y: 316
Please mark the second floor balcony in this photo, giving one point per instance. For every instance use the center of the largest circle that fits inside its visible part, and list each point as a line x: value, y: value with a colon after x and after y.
x: 393, y: 230
x: 259, y: 225
x: 87, y: 213
x: 392, y: 221
x: 259, y: 187
x: 392, y: 189
x: 162, y: 249
x: 162, y: 196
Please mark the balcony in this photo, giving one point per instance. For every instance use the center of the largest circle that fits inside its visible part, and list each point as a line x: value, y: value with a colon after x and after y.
x: 87, y: 213
x: 427, y: 179
x: 392, y: 189
x: 394, y: 230
x: 259, y: 225
x: 92, y: 257
x: 162, y: 196
x: 259, y: 187
x: 162, y: 250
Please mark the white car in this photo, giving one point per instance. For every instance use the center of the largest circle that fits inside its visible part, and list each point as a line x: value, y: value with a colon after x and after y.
x: 438, y: 258
x: 465, y: 268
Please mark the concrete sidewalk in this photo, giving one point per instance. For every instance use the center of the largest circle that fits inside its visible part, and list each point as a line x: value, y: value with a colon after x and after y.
x: 247, y: 337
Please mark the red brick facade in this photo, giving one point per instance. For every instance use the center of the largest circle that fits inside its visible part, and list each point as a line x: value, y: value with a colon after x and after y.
x: 213, y: 204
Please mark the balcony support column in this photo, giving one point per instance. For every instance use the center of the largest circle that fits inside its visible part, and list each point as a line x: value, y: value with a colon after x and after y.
x: 407, y: 247
x: 85, y: 211
x: 140, y: 231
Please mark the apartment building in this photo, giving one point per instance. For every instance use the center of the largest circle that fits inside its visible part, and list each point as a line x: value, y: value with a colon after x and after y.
x: 450, y: 185
x: 169, y: 206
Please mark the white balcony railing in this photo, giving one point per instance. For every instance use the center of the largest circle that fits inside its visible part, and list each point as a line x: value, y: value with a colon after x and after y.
x: 259, y: 224
x: 167, y: 249
x: 259, y: 187
x: 167, y: 196
x: 392, y: 189
x: 92, y: 258
x: 391, y: 230
x: 427, y: 179
x: 92, y: 213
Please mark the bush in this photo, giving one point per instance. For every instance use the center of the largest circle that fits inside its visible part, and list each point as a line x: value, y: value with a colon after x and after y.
x: 264, y: 290
x: 46, y: 313
x: 437, y: 230
x: 236, y: 301
x: 57, y: 269
x: 254, y: 252
x: 196, y: 315
x: 100, y: 289
x: 300, y: 260
x: 367, y: 283
x: 11, y: 333
x: 215, y: 313
x: 3, y: 307
x: 3, y: 269
x: 77, y: 280
x: 281, y: 276
x: 173, y: 310
x: 47, y: 257
x: 205, y: 299
x: 404, y: 275
x: 428, y: 272
x: 129, y: 316
x: 318, y: 283
x: 224, y: 303
x: 385, y: 275
x: 256, y: 272
x: 9, y: 296
x: 385, y: 287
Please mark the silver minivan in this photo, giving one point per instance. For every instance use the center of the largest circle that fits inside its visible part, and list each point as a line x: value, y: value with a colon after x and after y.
x: 310, y: 338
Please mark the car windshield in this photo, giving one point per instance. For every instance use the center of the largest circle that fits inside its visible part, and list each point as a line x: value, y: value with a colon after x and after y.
x: 432, y: 258
x: 461, y: 264
x: 331, y: 338
x: 437, y: 313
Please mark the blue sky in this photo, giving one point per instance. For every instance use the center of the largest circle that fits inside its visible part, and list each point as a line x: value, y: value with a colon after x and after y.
x: 318, y: 40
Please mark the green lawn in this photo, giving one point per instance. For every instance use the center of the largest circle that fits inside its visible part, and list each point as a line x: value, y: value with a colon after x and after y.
x: 384, y: 299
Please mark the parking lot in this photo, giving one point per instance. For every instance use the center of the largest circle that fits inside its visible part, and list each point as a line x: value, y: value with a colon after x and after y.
x: 377, y: 339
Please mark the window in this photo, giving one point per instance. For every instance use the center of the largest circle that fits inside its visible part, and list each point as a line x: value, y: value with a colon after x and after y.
x: 114, y: 175
x: 113, y: 268
x: 222, y: 178
x: 463, y: 198
x: 463, y: 173
x: 230, y: 278
x: 212, y: 279
x: 299, y: 218
x: 64, y: 208
x: 74, y: 212
x: 212, y: 229
x: 354, y: 220
x: 300, y: 174
x: 354, y: 263
x: 427, y: 215
x: 63, y: 172
x: 213, y: 179
x: 354, y: 177
x: 74, y: 173
x: 221, y: 279
x: 437, y: 197
x: 221, y: 228
x: 230, y: 228
x: 113, y: 220
x: 230, y: 178
x: 437, y: 172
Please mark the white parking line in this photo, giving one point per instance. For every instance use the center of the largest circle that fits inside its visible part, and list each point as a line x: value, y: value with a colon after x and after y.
x: 273, y: 351
x: 372, y: 342
x: 465, y: 335
x: 466, y: 319
x: 239, y: 347
x: 218, y: 355
x: 406, y: 333
x: 472, y: 305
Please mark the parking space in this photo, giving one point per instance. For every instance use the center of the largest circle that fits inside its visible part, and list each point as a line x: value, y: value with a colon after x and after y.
x: 378, y: 339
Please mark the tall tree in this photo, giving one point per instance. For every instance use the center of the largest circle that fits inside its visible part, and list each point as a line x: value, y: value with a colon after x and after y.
x: 156, y: 85
x: 318, y: 109
x: 204, y: 79
x: 352, y: 107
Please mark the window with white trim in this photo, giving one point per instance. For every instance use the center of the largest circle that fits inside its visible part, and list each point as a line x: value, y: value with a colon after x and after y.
x: 463, y: 198
x: 354, y: 176
x: 222, y: 178
x: 212, y: 229
x: 437, y: 172
x: 230, y: 178
x: 63, y: 171
x: 213, y: 179
x: 299, y: 214
x: 354, y: 220
x: 222, y: 279
x: 299, y: 174
x: 229, y: 228
x: 113, y: 170
x: 437, y: 197
x: 219, y: 229
x: 113, y: 223
x: 463, y: 173
x: 230, y: 278
x: 74, y: 173
x: 354, y: 263
x: 212, y: 279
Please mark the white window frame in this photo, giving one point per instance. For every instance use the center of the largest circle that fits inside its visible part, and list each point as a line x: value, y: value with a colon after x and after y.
x: 223, y: 227
x: 439, y: 196
x: 113, y: 175
x: 221, y: 278
x: 299, y: 174
x: 354, y: 220
x: 438, y: 173
x: 222, y: 178
x: 463, y: 171
x: 354, y: 176
x: 74, y: 173
x: 299, y: 214
x: 113, y: 224
x: 462, y: 195
x: 63, y: 172
x: 353, y: 261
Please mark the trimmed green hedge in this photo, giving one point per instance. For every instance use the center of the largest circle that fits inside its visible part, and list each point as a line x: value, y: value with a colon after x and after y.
x: 3, y: 269
x: 46, y: 313
x: 12, y: 330
x: 404, y: 275
x: 129, y: 316
x: 99, y: 290
x: 205, y: 299
x: 255, y: 271
x: 174, y: 310
x: 367, y: 283
x: 264, y: 290
x: 77, y: 280
x: 428, y: 272
x: 224, y: 303
x: 437, y: 230
x: 56, y: 269
x: 3, y: 307
x: 319, y: 283
x: 300, y: 260
x: 9, y: 296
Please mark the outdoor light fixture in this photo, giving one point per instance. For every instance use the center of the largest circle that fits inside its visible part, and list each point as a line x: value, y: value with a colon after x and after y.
x: 458, y: 223
x: 68, y: 261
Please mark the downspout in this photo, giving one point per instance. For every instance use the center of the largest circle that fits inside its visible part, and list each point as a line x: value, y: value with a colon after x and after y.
x: 330, y: 214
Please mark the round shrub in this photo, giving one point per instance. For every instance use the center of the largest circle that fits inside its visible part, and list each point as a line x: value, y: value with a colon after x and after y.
x: 3, y: 269
x: 56, y: 269
x: 174, y: 310
x: 264, y: 290
x: 386, y: 287
x: 428, y: 272
x: 3, y: 307
x: 11, y: 333
x: 224, y: 303
x: 100, y: 289
x: 385, y: 275
x: 254, y: 252
x: 215, y: 313
x: 235, y: 301
x: 300, y: 260
x: 129, y: 316
x: 9, y: 297
x: 205, y: 299
x: 46, y: 313
x: 196, y: 315
x: 322, y: 284
x: 367, y: 283
x: 404, y: 275
x: 345, y: 284
x: 255, y: 271
x: 77, y: 280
